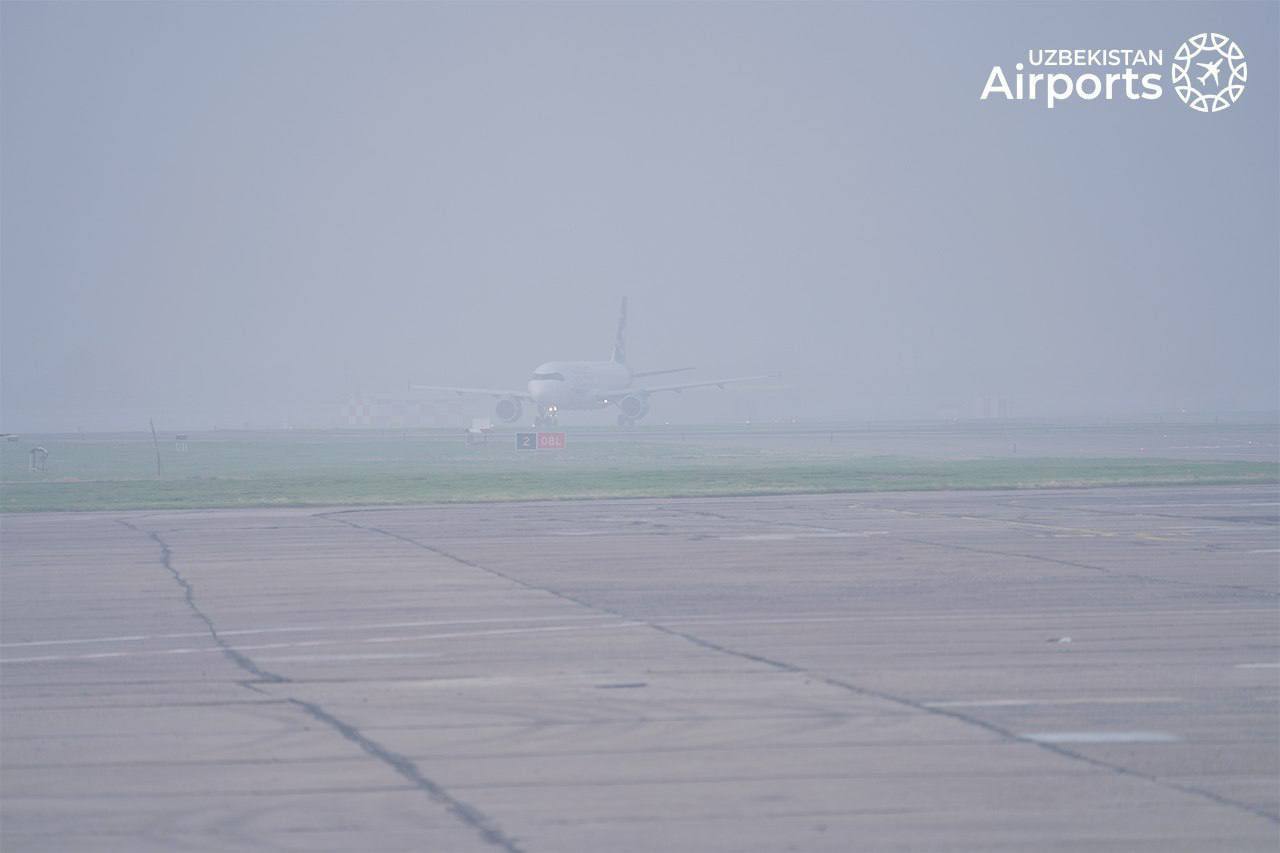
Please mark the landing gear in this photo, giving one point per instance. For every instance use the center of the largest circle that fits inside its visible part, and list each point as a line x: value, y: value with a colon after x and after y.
x: 545, y: 418
x: 626, y: 422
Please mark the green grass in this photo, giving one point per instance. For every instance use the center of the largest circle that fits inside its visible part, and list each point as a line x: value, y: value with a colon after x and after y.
x: 326, y: 469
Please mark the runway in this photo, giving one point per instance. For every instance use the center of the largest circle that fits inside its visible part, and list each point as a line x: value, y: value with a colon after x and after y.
x: 1050, y: 670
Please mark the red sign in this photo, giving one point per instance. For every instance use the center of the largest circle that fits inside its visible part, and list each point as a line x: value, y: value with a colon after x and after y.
x: 551, y: 441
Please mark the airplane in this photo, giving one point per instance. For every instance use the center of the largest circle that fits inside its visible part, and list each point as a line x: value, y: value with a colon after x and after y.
x: 557, y: 386
x: 1211, y: 69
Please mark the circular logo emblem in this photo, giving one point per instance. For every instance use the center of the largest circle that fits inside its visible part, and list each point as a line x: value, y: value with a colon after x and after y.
x: 1209, y: 72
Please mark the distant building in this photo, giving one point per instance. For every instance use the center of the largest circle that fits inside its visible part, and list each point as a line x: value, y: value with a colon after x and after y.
x: 986, y: 407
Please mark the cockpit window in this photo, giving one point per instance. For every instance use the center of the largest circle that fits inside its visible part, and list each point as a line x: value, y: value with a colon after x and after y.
x: 551, y: 376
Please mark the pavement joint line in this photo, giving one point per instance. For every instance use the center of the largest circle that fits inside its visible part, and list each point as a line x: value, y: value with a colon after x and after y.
x: 333, y: 516
x: 409, y: 770
x: 189, y: 593
x: 1261, y: 593
x: 783, y: 666
x: 469, y: 815
x: 1069, y: 563
x: 1001, y: 731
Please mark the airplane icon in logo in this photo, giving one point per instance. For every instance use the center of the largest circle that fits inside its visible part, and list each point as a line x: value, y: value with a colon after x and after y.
x: 1210, y: 70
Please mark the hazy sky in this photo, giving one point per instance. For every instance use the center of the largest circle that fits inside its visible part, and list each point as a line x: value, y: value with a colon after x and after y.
x: 218, y: 213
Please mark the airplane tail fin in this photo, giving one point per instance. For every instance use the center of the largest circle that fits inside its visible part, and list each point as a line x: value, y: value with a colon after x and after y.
x: 620, y: 342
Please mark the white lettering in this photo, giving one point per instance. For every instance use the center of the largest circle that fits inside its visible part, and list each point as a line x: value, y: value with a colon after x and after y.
x: 1059, y: 86
x: 996, y: 82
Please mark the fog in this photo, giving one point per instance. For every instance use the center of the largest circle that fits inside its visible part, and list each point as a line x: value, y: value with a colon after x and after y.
x: 218, y: 214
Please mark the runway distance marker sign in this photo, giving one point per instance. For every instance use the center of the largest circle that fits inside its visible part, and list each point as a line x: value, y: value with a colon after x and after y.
x: 540, y: 441
x: 551, y: 441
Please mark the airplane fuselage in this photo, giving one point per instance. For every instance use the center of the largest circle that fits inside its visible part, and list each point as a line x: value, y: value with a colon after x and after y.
x: 563, y: 385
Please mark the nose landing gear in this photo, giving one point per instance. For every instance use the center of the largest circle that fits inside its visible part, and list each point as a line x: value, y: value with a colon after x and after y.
x: 545, y: 417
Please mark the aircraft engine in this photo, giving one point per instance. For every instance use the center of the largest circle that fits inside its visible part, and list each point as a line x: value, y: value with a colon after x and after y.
x: 633, y: 407
x: 508, y: 410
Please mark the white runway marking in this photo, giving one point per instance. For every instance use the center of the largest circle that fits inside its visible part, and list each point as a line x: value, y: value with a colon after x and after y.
x: 1258, y: 666
x: 503, y: 631
x: 1225, y: 504
x: 335, y: 658
x: 800, y: 618
x: 1102, y: 737
x: 787, y: 537
x: 128, y: 639
x: 1266, y: 551
x: 373, y: 626
x: 314, y: 643
x: 1029, y: 703
x: 712, y: 619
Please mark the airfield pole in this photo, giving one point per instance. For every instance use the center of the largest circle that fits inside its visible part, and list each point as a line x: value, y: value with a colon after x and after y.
x: 155, y: 442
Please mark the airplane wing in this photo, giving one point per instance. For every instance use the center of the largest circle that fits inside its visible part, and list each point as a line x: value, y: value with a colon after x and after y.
x: 661, y: 372
x: 705, y: 384
x: 483, y: 392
